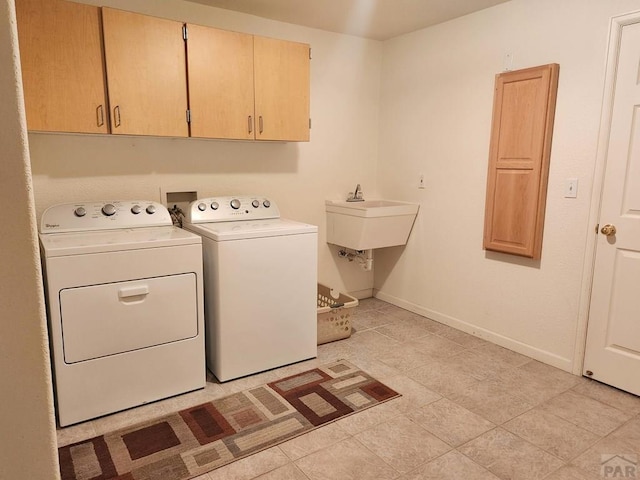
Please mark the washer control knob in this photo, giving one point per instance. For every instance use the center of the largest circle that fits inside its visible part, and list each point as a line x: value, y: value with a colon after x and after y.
x: 202, y: 207
x: 235, y: 204
x: 80, y: 212
x: 214, y: 205
x: 266, y: 203
x: 136, y: 209
x: 255, y: 204
x: 109, y: 209
x: 151, y: 209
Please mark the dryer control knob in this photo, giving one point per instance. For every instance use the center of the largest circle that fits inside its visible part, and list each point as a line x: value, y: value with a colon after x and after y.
x: 235, y: 204
x: 266, y: 203
x: 136, y: 209
x: 80, y: 212
x: 202, y: 207
x: 214, y: 205
x: 255, y: 204
x: 151, y: 209
x: 108, y: 210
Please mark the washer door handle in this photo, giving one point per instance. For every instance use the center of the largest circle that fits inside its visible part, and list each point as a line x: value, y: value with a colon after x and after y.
x: 137, y: 291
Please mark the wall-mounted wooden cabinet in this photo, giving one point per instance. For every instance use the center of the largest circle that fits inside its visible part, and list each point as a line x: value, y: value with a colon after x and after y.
x: 245, y: 87
x: 523, y: 112
x: 221, y: 96
x: 231, y: 85
x: 282, y: 89
x: 62, y: 67
x: 146, y: 76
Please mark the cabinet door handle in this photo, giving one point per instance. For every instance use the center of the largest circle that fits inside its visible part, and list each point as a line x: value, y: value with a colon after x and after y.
x: 116, y: 115
x: 100, y: 115
x: 250, y: 124
x: 261, y: 123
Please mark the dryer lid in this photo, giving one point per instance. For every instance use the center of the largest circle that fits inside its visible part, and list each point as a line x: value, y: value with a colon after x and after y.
x: 79, y: 243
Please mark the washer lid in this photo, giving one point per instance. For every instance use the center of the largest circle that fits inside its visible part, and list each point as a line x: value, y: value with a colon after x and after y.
x: 222, y: 231
x: 78, y: 243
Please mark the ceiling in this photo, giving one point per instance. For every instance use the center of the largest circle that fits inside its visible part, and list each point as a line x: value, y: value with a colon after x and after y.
x: 375, y: 19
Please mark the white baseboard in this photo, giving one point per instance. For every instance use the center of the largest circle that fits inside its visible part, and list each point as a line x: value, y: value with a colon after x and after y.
x: 543, y: 356
x: 360, y: 294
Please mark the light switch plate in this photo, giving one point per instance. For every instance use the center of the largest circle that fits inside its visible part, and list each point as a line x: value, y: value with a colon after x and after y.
x: 571, y: 188
x: 507, y: 62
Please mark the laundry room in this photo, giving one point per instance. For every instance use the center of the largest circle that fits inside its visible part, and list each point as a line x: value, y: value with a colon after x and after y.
x: 408, y: 118
x: 299, y: 176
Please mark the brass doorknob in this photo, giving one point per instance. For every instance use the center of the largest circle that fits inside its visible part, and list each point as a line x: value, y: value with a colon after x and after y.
x: 608, y: 230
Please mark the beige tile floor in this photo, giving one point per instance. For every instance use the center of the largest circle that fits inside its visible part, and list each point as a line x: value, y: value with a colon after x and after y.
x: 469, y: 410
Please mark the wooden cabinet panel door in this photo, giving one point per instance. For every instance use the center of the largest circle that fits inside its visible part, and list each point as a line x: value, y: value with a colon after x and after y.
x: 523, y: 112
x: 220, y: 69
x: 146, y: 74
x: 281, y: 72
x: 62, y: 67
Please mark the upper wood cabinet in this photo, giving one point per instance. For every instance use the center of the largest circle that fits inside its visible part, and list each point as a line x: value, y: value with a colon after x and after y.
x: 244, y: 87
x: 523, y: 112
x: 281, y: 73
x: 220, y: 83
x: 146, y: 72
x: 62, y: 68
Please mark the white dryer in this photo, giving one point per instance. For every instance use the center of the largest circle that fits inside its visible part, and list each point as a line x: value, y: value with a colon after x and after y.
x: 260, y: 280
x: 125, y: 306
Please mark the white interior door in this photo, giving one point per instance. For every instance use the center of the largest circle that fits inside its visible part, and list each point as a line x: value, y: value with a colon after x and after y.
x: 612, y: 352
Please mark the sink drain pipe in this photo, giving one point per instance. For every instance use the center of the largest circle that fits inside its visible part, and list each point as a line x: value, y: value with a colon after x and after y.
x: 363, y: 257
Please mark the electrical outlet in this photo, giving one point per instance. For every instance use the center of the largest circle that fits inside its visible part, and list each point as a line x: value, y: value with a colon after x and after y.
x: 421, y: 181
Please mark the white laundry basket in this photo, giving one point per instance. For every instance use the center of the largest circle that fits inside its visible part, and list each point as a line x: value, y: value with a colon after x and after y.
x: 334, y: 314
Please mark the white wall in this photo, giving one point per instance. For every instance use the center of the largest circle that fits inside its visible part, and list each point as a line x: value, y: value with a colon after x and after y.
x: 27, y: 436
x: 436, y: 105
x: 345, y: 76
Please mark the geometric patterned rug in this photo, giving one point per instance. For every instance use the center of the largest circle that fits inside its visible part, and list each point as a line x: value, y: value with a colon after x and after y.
x: 199, y: 439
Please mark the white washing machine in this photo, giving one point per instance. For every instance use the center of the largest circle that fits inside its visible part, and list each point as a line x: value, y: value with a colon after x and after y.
x: 125, y: 306
x: 260, y: 280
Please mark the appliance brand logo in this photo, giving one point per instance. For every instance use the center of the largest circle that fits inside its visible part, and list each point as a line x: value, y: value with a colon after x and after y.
x: 52, y: 225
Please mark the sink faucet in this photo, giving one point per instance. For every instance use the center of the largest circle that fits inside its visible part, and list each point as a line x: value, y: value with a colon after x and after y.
x: 356, y: 196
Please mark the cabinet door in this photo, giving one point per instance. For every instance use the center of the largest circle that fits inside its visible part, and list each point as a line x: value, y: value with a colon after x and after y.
x: 146, y: 73
x: 523, y: 111
x: 281, y: 72
x: 220, y: 83
x: 62, y: 68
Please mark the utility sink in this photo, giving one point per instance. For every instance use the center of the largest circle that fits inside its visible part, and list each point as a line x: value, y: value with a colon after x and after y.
x: 369, y: 224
